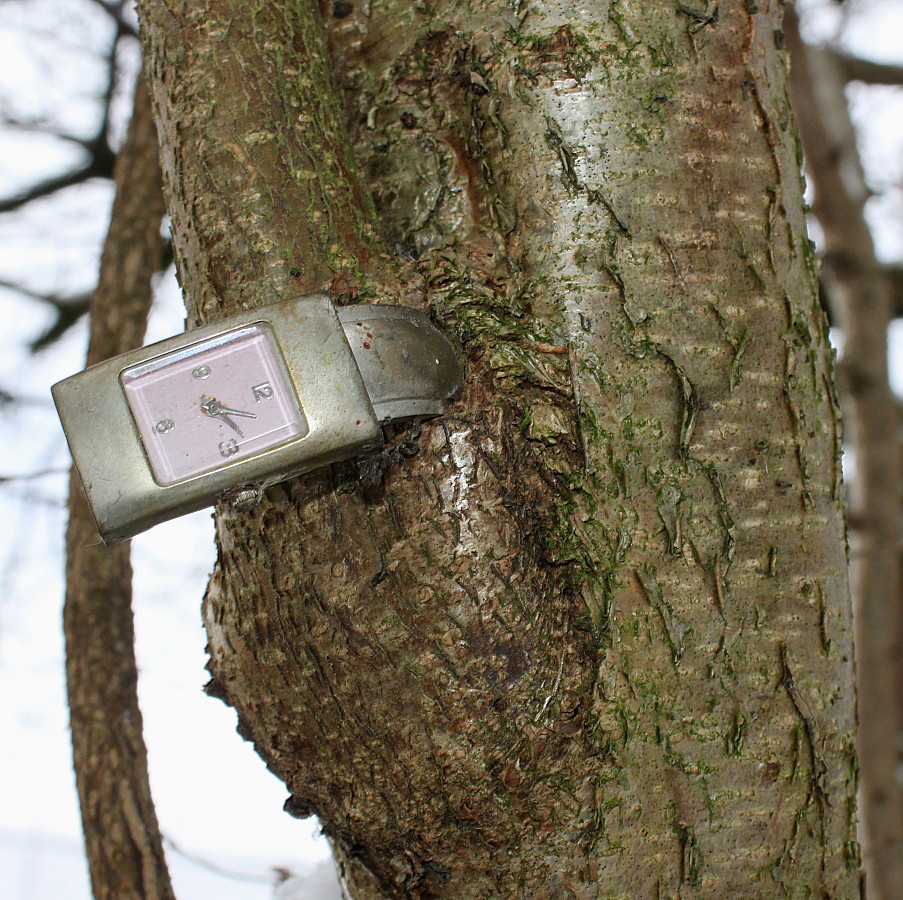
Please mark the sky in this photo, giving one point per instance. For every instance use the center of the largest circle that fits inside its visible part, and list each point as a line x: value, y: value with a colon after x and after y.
x: 215, y: 799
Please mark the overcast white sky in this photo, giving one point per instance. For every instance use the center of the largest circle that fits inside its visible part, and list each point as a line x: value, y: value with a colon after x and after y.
x: 214, y: 796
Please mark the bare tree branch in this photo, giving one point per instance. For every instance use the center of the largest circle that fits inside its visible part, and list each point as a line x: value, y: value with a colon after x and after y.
x: 855, y: 69
x: 31, y: 476
x: 224, y: 871
x: 67, y: 315
x: 117, y: 12
x: 102, y: 138
x: 41, y: 126
x: 101, y: 157
x: 69, y: 310
x: 122, y: 837
x: 894, y: 276
x: 10, y: 399
x: 95, y: 168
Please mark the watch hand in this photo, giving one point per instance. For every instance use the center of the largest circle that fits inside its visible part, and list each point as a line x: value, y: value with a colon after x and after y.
x: 230, y: 423
x: 213, y: 407
x: 236, y: 412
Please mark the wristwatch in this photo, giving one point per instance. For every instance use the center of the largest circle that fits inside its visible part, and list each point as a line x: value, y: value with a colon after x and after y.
x: 246, y: 402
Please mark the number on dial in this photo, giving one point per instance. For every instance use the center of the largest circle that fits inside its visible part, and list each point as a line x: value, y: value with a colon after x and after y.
x: 262, y: 391
x: 228, y: 448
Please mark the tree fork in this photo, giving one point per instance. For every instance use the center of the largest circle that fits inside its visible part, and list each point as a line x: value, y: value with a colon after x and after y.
x: 588, y: 634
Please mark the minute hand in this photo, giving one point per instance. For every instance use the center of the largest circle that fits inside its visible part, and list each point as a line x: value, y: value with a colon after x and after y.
x: 225, y: 410
x: 216, y: 409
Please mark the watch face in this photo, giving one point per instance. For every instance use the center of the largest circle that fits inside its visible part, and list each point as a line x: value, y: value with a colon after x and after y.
x: 213, y: 403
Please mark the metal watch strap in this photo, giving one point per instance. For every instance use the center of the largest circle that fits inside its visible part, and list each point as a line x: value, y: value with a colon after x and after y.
x: 408, y: 366
x: 339, y: 373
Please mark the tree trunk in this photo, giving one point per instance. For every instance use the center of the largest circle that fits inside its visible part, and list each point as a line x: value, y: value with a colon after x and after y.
x: 588, y: 635
x: 122, y: 837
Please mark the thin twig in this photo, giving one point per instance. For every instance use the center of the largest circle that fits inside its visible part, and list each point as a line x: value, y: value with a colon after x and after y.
x: 856, y: 69
x: 226, y: 872
x: 32, y: 476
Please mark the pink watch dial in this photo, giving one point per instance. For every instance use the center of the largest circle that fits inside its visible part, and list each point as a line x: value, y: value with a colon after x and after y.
x: 213, y: 403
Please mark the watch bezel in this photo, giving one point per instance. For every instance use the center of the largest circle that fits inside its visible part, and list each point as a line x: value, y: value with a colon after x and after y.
x: 153, y: 445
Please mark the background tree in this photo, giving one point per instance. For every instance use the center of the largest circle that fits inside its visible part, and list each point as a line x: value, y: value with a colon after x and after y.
x: 124, y: 847
x: 860, y: 295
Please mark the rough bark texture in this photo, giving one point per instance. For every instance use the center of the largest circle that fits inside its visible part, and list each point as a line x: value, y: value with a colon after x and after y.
x: 588, y: 635
x: 122, y: 838
x: 860, y: 293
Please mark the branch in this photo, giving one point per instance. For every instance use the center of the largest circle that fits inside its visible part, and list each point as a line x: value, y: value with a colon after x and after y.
x: 8, y: 398
x: 101, y: 158
x: 95, y: 168
x: 31, y: 476
x: 67, y: 315
x: 69, y: 310
x: 224, y: 871
x: 894, y: 277
x: 116, y: 11
x: 856, y: 69
x: 122, y: 837
x: 891, y: 275
x: 102, y: 140
x: 41, y: 126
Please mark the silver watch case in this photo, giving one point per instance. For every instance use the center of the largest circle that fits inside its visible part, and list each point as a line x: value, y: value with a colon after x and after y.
x: 110, y: 457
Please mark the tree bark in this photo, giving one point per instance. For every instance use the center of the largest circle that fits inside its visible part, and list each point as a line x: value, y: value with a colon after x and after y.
x: 122, y: 837
x: 588, y: 635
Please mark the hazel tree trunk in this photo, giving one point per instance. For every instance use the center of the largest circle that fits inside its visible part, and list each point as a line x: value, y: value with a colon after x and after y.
x: 588, y: 635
